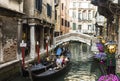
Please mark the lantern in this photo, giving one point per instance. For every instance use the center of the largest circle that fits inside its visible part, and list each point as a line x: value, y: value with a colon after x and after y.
x: 103, y: 41
x: 111, y: 46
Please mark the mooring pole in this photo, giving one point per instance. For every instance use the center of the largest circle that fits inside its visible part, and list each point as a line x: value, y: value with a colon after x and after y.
x: 38, y: 51
x: 23, y: 45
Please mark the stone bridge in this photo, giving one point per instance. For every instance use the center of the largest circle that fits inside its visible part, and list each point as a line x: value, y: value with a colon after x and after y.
x: 79, y: 37
x: 73, y: 37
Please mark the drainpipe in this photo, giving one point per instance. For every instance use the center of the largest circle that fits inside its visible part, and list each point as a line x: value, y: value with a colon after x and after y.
x: 1, y: 50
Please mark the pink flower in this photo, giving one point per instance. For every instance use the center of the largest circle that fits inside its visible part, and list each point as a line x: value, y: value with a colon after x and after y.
x: 110, y: 77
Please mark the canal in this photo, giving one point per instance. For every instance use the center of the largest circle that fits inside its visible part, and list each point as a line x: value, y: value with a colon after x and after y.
x: 80, y: 71
x: 83, y: 68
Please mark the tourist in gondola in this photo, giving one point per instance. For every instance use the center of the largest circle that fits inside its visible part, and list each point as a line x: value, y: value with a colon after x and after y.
x: 66, y: 60
x: 63, y: 60
x: 46, y: 60
x: 59, y: 62
x: 53, y: 60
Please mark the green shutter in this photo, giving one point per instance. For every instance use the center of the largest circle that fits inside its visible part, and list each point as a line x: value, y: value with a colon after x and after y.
x: 74, y: 26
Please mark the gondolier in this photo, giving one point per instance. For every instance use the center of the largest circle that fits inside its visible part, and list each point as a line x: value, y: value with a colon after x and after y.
x: 59, y: 51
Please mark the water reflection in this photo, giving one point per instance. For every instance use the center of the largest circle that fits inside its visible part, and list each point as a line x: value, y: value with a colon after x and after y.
x: 81, y: 71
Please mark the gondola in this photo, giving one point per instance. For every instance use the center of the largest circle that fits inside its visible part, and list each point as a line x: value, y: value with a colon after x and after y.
x: 51, y: 74
x: 35, y: 68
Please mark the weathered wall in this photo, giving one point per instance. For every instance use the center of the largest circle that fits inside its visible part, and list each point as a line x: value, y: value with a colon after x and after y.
x: 9, y: 38
x: 16, y: 5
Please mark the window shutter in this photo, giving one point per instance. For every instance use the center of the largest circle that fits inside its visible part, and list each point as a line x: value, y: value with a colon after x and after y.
x: 39, y: 5
x: 49, y: 10
x: 74, y: 26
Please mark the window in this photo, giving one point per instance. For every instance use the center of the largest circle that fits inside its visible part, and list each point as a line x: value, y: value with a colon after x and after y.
x: 93, y: 28
x: 66, y: 23
x: 62, y: 21
x: 55, y: 1
x: 55, y: 14
x: 74, y: 15
x: 84, y: 15
x: 62, y: 6
x: 89, y: 27
x: 79, y: 27
x: 74, y: 26
x: 39, y: 5
x: 74, y: 4
x: 49, y: 10
x: 89, y: 15
x: 79, y: 4
x: 79, y: 16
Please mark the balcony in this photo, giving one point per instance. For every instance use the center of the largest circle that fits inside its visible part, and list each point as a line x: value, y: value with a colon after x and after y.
x: 84, y: 20
x: 85, y: 31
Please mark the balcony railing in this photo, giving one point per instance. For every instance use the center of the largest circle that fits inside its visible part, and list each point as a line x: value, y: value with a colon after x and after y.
x: 88, y: 31
x: 84, y: 20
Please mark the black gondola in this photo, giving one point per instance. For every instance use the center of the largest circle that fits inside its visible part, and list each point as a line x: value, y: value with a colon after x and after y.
x: 51, y: 74
x: 36, y: 68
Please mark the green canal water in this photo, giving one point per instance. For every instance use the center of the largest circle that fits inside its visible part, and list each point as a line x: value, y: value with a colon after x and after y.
x: 80, y: 71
